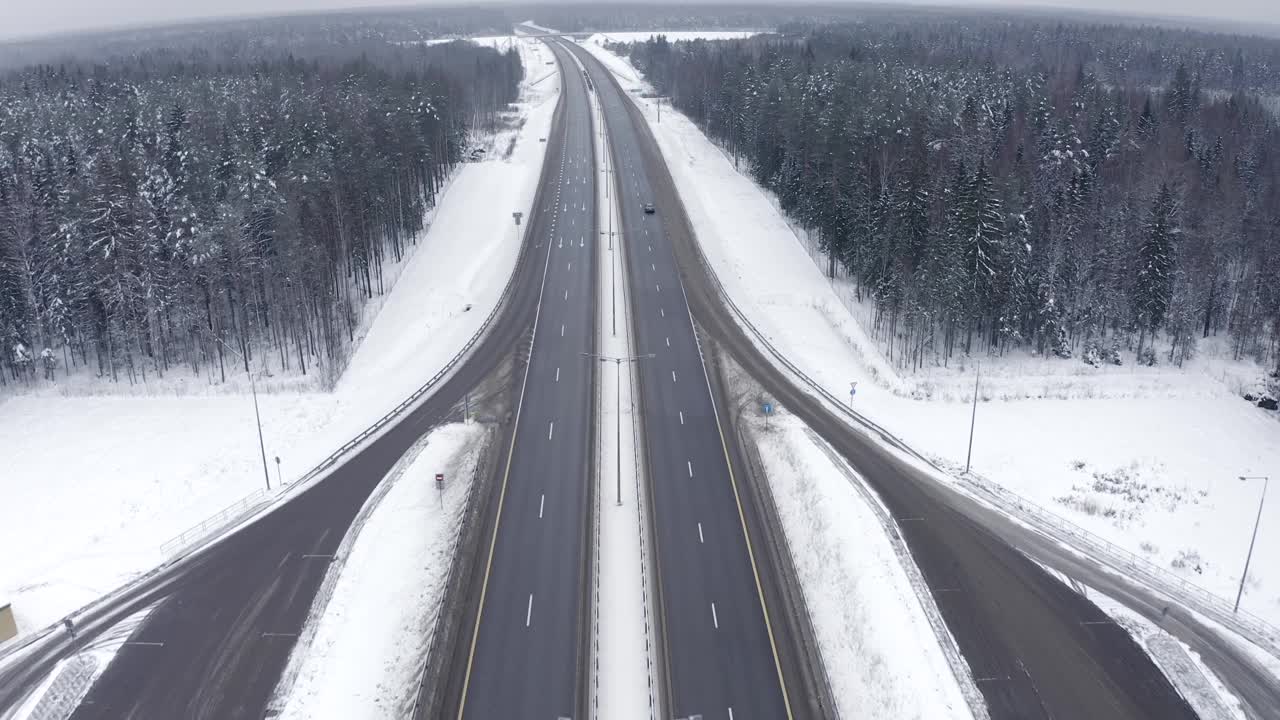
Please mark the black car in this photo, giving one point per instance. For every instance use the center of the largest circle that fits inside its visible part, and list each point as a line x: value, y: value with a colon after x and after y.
x: 649, y: 209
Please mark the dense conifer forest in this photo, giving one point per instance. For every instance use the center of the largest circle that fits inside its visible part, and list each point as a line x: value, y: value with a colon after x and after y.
x: 991, y: 184
x: 167, y: 200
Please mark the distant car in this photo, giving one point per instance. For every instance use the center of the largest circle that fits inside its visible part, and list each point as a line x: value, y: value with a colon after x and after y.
x: 649, y: 209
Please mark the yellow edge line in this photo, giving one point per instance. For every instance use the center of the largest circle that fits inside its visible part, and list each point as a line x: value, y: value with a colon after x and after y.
x: 764, y: 606
x: 484, y: 587
x: 742, y: 518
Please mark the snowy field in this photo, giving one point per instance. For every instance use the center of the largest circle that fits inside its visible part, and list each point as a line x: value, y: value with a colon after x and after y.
x: 882, y: 656
x: 371, y: 638
x: 1149, y: 466
x: 95, y: 485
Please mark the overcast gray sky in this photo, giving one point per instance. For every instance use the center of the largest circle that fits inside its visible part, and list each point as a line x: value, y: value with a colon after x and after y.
x: 38, y: 17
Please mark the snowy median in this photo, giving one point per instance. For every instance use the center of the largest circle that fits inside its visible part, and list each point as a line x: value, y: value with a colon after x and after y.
x: 366, y: 642
x: 880, y: 649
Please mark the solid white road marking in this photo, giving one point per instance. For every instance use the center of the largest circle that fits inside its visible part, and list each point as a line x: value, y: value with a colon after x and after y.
x: 528, y: 613
x: 542, y: 503
x: 689, y: 464
x: 681, y: 417
x: 714, y: 618
x: 551, y: 429
x: 700, y: 538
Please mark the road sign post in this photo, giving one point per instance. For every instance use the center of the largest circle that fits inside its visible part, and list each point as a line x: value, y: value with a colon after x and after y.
x: 768, y: 410
x: 440, y: 487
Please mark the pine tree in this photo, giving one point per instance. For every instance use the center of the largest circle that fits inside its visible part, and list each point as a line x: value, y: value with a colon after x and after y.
x: 1154, y: 280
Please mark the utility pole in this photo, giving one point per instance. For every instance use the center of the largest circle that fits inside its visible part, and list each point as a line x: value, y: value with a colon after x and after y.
x: 973, y: 417
x: 1252, y: 540
x: 617, y: 362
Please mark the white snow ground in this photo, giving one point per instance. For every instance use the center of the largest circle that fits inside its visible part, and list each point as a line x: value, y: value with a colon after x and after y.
x: 94, y: 485
x: 1150, y: 469
x: 369, y: 641
x: 880, y: 651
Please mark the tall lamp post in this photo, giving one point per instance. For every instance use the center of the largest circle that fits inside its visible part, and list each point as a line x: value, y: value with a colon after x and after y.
x: 1253, y: 539
x: 973, y: 418
x: 257, y: 418
x: 617, y: 362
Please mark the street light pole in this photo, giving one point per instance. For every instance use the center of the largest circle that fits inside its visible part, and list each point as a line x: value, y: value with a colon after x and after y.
x: 257, y: 417
x: 973, y: 418
x: 1253, y: 539
x: 617, y: 362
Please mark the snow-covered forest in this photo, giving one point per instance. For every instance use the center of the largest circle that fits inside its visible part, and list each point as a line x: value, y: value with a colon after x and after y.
x: 992, y: 183
x: 223, y: 196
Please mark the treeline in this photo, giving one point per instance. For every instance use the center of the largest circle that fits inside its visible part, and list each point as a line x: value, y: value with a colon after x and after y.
x: 231, y: 203
x: 313, y: 35
x: 992, y: 185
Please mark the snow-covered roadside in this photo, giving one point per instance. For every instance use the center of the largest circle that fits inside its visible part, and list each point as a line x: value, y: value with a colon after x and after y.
x: 96, y: 485
x: 1204, y: 692
x: 881, y: 653
x: 369, y: 642
x: 1153, y: 474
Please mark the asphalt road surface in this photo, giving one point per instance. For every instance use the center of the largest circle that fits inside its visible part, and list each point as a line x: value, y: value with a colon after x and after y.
x: 1033, y: 644
x: 717, y: 632
x: 526, y: 657
x: 227, y: 617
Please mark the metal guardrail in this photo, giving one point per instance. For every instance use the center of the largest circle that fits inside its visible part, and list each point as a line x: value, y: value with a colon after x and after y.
x: 222, y: 518
x: 1214, y: 606
x: 332, y: 459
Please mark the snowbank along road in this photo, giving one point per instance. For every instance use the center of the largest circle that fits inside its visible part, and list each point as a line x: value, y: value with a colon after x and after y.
x: 1036, y: 648
x: 523, y: 655
x: 227, y: 616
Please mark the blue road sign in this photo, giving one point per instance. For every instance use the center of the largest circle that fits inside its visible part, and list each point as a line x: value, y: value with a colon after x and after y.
x: 768, y: 408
